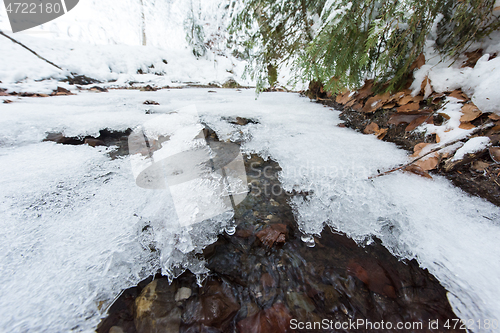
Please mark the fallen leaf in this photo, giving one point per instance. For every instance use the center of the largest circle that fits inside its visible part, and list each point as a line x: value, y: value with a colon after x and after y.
x: 417, y: 122
x: 444, y: 115
x: 494, y: 129
x: 381, y: 133
x: 408, y: 107
x: 458, y: 94
x: 375, y: 102
x: 472, y: 58
x: 417, y: 170
x: 418, y: 148
x: 350, y: 103
x: 466, y: 126
x: 389, y: 106
x: 365, y: 91
x: 470, y: 112
x: 495, y: 154
x: 429, y: 163
x: 357, y: 107
x: 438, y: 139
x: 436, y: 97
x: 372, y: 128
x: 345, y: 97
x: 404, y: 118
x: 426, y: 88
x: 494, y: 117
x: 419, y: 62
x: 7, y: 101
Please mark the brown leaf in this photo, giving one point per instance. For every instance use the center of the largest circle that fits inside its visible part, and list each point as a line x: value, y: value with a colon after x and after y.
x: 494, y: 117
x: 344, y: 97
x: 405, y: 118
x: 444, y: 115
x: 381, y: 133
x: 458, y: 94
x: 418, y: 148
x: 7, y: 101
x: 357, y: 107
x: 408, y: 107
x: 426, y: 87
x: 372, y: 128
x: 417, y: 122
x: 472, y: 58
x: 470, y: 112
x: 438, y: 139
x: 494, y: 129
x: 365, y: 91
x: 417, y: 170
x: 495, y: 154
x: 389, y: 106
x: 466, y: 126
x: 429, y: 163
x: 350, y: 103
x: 437, y: 96
x: 419, y: 62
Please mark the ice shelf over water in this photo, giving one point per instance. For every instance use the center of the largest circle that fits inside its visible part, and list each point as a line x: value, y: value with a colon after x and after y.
x: 76, y: 229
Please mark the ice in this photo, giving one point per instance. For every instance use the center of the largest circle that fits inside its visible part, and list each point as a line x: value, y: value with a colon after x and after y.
x: 76, y: 229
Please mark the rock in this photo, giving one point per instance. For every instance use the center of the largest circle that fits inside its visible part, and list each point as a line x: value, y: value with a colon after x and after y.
x: 182, y: 294
x: 373, y: 275
x: 231, y: 83
x: 156, y: 309
x: 80, y: 80
x: 98, y: 89
x: 93, y: 142
x: 61, y: 92
x: 215, y: 307
x: 7, y: 101
x: 150, y: 102
x: 275, y: 319
x: 277, y: 233
x: 148, y: 88
x: 116, y: 329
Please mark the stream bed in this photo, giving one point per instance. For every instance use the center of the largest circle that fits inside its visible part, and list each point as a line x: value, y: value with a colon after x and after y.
x: 267, y: 277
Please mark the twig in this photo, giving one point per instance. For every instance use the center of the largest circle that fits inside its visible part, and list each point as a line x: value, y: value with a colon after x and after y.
x: 404, y: 166
x: 27, y: 48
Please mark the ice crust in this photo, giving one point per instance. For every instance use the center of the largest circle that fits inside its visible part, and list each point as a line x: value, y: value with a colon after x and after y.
x: 76, y: 229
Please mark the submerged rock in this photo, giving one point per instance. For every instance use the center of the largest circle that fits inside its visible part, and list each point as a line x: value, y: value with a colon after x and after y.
x: 264, y: 278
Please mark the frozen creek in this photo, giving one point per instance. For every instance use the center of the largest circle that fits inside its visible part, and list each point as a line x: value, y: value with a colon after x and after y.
x: 73, y: 223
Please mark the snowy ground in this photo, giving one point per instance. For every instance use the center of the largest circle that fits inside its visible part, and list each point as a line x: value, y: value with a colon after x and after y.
x: 72, y: 218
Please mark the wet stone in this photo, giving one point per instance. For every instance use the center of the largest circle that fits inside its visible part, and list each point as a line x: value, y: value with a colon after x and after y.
x: 264, y: 276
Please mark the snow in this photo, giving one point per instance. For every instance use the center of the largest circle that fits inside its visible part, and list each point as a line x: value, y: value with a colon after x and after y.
x: 74, y: 229
x: 104, y: 41
x: 472, y: 146
x: 479, y: 83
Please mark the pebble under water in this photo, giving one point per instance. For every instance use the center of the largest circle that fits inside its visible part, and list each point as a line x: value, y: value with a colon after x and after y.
x: 265, y: 278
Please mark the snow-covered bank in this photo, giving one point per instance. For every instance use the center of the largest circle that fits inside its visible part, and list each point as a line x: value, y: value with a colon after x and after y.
x: 105, y: 41
x: 71, y: 229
